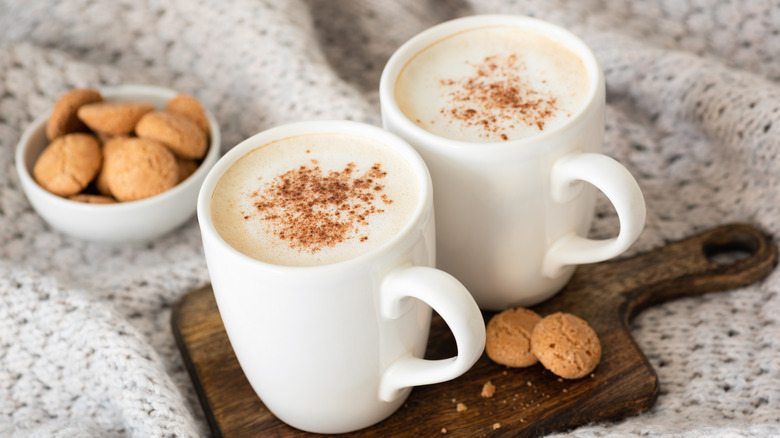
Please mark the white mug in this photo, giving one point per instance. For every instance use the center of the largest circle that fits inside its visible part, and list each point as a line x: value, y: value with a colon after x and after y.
x: 337, y: 347
x: 512, y: 216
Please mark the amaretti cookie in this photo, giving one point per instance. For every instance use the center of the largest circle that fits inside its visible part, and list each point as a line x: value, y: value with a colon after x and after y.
x: 178, y: 133
x: 566, y: 345
x: 63, y: 119
x: 189, y: 107
x: 101, y: 182
x: 116, y: 118
x: 508, y: 337
x: 68, y: 164
x: 137, y: 168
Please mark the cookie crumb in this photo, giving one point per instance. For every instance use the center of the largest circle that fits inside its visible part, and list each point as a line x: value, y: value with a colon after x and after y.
x: 461, y: 407
x: 488, y: 389
x: 443, y: 430
x: 496, y: 426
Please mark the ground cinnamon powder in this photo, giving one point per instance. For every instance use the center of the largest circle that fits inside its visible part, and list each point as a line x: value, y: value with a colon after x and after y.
x: 312, y: 209
x: 496, y: 96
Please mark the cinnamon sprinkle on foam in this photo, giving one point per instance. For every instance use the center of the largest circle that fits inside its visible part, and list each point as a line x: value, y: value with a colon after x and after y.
x: 495, y: 94
x: 312, y: 209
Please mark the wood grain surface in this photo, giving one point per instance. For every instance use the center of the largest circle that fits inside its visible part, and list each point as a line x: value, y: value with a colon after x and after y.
x: 529, y: 401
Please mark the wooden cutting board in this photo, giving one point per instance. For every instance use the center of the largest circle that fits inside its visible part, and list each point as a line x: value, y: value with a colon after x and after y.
x: 529, y: 401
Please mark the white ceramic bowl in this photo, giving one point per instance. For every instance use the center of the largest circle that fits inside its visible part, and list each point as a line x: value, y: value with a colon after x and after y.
x: 135, y: 221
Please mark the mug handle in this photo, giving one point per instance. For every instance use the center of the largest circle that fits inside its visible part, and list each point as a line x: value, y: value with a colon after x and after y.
x: 450, y: 299
x: 621, y: 189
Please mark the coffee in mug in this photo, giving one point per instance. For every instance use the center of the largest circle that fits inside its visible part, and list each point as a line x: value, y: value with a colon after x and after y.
x: 314, y: 199
x: 494, y: 83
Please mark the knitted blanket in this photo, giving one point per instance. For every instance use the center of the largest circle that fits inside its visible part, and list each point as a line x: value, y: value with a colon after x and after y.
x: 86, y: 347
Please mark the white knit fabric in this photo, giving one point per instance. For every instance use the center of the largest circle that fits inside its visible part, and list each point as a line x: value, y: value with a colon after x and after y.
x: 86, y: 347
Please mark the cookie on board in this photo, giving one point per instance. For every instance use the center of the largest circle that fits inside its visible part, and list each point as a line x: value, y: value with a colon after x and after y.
x: 566, y: 345
x: 508, y: 337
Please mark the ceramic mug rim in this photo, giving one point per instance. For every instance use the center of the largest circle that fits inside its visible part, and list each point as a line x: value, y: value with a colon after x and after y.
x: 422, y: 209
x: 411, y: 48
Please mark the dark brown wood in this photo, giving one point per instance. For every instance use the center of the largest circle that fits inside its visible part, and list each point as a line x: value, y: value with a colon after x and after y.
x: 529, y: 401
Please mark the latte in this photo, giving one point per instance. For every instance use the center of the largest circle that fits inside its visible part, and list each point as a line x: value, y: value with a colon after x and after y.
x: 314, y: 199
x: 492, y: 84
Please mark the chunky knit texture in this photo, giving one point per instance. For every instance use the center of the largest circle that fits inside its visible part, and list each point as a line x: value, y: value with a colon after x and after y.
x: 693, y: 111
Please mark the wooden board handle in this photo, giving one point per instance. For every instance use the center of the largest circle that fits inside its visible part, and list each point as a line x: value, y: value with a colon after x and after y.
x: 719, y: 259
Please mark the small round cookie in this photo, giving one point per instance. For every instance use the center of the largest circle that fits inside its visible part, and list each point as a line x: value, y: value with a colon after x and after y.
x: 68, y: 164
x: 178, y: 133
x: 115, y: 118
x: 63, y: 119
x: 189, y: 107
x: 566, y: 345
x: 101, y: 182
x: 92, y: 199
x: 508, y: 337
x: 138, y: 168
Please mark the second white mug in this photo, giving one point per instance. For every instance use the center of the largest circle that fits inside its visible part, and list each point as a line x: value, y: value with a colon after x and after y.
x: 514, y: 168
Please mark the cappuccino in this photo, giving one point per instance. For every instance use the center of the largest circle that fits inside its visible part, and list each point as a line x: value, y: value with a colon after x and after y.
x: 314, y: 199
x: 492, y: 84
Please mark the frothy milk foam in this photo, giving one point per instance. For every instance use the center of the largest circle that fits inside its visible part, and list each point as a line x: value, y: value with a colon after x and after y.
x: 314, y: 199
x: 492, y: 84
